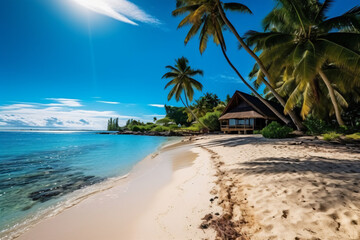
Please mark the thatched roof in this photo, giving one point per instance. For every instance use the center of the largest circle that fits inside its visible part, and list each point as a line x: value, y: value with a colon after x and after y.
x: 247, y: 114
x: 243, y: 105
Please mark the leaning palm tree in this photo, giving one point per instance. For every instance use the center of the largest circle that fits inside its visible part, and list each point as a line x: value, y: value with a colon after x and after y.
x: 312, y: 98
x: 183, y: 83
x: 205, y: 19
x: 199, y: 9
x: 300, y: 41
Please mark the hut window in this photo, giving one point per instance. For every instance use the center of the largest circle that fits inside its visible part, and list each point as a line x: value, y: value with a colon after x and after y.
x: 251, y: 122
x: 240, y: 122
x: 232, y: 122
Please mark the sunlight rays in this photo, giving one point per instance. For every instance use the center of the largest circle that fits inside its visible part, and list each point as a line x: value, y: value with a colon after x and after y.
x: 121, y: 10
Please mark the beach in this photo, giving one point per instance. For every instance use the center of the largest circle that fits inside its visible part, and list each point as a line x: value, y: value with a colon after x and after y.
x: 224, y: 187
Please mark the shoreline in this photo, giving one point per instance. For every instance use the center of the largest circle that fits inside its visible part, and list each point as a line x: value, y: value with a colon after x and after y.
x: 80, y: 195
x: 122, y: 182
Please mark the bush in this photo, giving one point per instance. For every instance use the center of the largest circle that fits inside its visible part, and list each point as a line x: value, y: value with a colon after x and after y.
x: 197, y: 127
x: 137, y: 128
x: 165, y: 121
x: 355, y: 136
x: 160, y: 129
x: 276, y: 130
x: 257, y: 132
x: 331, y: 136
x: 211, y: 120
x: 177, y: 114
x: 316, y: 126
x: 148, y: 127
x: 173, y: 127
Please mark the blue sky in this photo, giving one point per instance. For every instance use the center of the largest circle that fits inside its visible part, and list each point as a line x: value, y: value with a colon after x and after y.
x: 75, y: 63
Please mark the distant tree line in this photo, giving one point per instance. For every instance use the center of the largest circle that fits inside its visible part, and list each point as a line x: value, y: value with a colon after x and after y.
x: 207, y: 108
x: 113, y: 124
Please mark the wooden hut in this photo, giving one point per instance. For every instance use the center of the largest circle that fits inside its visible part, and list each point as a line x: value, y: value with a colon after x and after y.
x: 245, y: 113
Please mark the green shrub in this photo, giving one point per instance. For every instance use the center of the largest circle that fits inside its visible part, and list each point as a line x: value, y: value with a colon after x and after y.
x: 257, y: 132
x: 316, y: 126
x: 173, y: 127
x: 276, y: 130
x: 137, y: 128
x: 160, y: 129
x: 354, y: 136
x: 331, y: 136
x: 148, y: 127
x: 194, y: 128
x: 164, y: 121
x: 177, y: 115
x: 211, y: 120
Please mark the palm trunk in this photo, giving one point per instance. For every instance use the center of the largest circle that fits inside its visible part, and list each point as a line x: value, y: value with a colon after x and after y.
x: 332, y: 97
x: 276, y: 112
x: 192, y: 113
x: 292, y: 115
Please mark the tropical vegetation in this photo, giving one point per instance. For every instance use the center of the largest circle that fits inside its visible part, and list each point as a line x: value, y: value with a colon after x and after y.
x: 304, y: 59
x: 307, y: 61
x: 183, y: 83
x: 276, y: 130
x: 314, y: 59
x: 179, y: 121
x: 209, y: 19
x: 113, y: 124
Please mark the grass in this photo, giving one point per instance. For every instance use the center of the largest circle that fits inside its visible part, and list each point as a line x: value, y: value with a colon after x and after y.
x: 331, y: 136
x: 354, y: 136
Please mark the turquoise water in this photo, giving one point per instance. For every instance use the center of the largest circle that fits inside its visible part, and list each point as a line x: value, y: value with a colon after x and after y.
x: 39, y: 169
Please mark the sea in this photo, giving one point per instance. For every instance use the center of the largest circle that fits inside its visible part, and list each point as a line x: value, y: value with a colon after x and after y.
x: 39, y: 170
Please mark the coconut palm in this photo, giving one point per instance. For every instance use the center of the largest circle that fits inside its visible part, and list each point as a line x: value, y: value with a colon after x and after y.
x: 183, y: 83
x: 313, y: 98
x: 201, y: 9
x: 205, y: 19
x: 300, y: 42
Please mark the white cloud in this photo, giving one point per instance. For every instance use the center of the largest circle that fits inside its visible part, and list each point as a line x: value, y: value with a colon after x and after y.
x: 121, y: 10
x: 226, y: 78
x: 157, y: 105
x: 17, y: 106
x: 67, y: 102
x: 65, y: 115
x: 107, y: 102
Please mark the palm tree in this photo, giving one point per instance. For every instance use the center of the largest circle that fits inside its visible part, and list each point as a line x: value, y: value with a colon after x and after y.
x: 312, y: 98
x: 199, y: 9
x: 181, y: 76
x: 300, y: 42
x: 205, y: 19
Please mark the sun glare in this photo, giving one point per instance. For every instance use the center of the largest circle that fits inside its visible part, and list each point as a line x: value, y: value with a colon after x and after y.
x: 103, y: 7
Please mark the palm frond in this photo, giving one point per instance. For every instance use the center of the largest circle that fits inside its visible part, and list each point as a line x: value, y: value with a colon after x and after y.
x: 233, y: 6
x: 340, y: 55
x: 321, y: 15
x: 348, y: 20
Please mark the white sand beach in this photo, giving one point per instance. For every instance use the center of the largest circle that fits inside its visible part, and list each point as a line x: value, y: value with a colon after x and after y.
x: 224, y: 187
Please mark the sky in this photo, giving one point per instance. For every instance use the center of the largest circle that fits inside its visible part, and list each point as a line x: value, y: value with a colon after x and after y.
x: 72, y: 64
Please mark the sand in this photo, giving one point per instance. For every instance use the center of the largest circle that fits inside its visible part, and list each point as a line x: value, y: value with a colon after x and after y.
x: 288, y: 189
x: 224, y: 187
